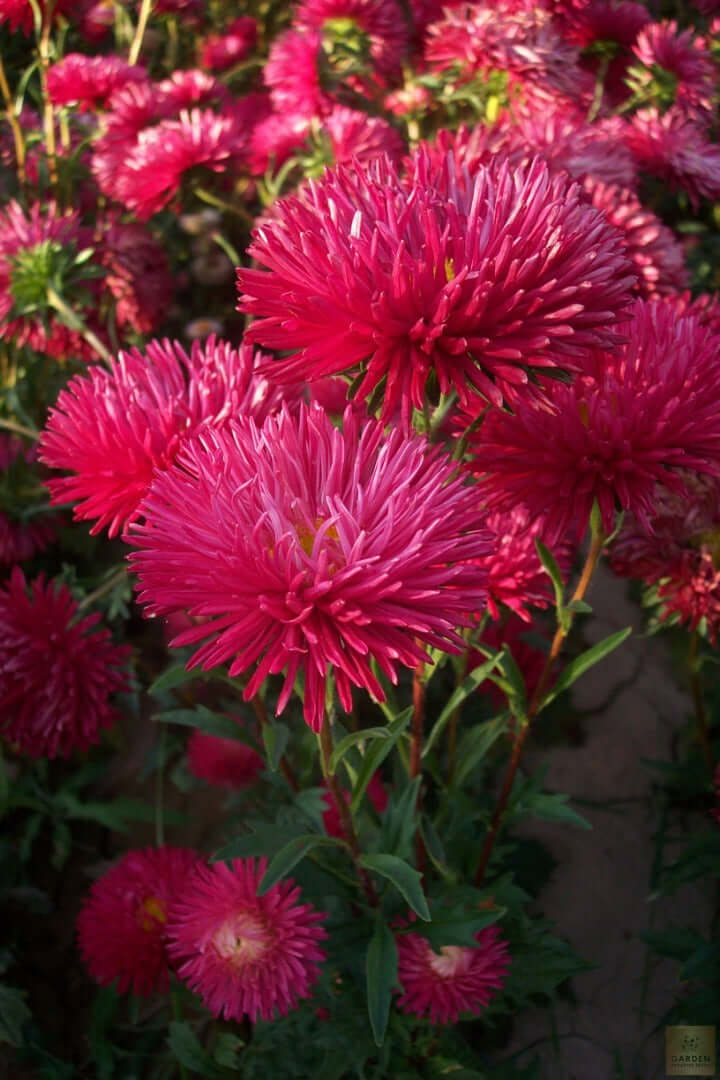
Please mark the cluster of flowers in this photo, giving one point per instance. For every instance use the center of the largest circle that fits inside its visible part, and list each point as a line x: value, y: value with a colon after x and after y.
x: 457, y: 345
x: 249, y: 955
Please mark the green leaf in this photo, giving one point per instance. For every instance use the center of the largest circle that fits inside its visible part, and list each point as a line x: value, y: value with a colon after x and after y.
x: 475, y: 745
x: 172, y: 677
x: 226, y: 1050
x: 459, y: 928
x: 210, y: 722
x: 551, y: 567
x: 189, y: 1051
x: 466, y: 687
x: 264, y: 840
x: 406, y: 880
x: 398, y: 820
x: 282, y: 863
x: 553, y: 807
x: 381, y: 974
x: 353, y: 739
x: 434, y: 848
x: 579, y: 607
x: 276, y: 736
x: 375, y: 756
x: 517, y: 697
x: 586, y: 660
x: 13, y: 1014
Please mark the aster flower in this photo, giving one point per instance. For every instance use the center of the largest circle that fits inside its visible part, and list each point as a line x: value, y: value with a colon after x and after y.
x: 191, y: 89
x: 38, y: 249
x: 113, y: 428
x: 676, y: 68
x: 19, y: 13
x: 561, y: 136
x: 88, y: 81
x: 354, y: 134
x: 57, y: 671
x: 122, y: 925
x: 222, y: 51
x: 475, y: 278
x: 457, y: 979
x: 516, y: 577
x: 653, y: 247
x: 705, y: 306
x: 246, y: 955
x: 383, y: 22
x: 651, y: 411
x: 292, y: 73
x: 518, y: 38
x: 673, y: 147
x: 138, y: 276
x: 274, y: 138
x: 222, y: 762
x: 163, y: 154
x: 605, y: 30
x: 312, y: 547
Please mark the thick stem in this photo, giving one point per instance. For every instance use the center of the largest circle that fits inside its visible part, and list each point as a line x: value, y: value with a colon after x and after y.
x: 596, y: 546
x: 136, y: 46
x: 48, y: 112
x: 346, y: 822
x: 18, y: 140
x: 416, y: 753
x: 701, y: 725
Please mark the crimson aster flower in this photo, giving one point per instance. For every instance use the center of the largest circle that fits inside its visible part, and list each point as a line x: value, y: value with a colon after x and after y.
x: 651, y: 411
x: 307, y: 547
x: 292, y: 73
x: 676, y: 66
x: 219, y: 52
x: 605, y: 30
x: 223, y: 762
x: 477, y: 278
x: 457, y: 979
x: 246, y: 955
x: 561, y: 136
x: 57, y: 671
x: 113, y: 428
x: 354, y: 134
x: 673, y: 147
x: 138, y: 276
x: 88, y: 81
x: 656, y: 252
x: 122, y: 925
x: 705, y: 306
x: 383, y: 22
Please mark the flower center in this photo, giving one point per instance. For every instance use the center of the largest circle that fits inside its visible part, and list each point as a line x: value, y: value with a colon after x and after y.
x: 242, y: 940
x: 449, y: 961
x: 151, y: 914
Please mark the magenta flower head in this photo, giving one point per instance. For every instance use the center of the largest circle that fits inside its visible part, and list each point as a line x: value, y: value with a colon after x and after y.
x: 457, y: 979
x: 122, y: 925
x: 111, y: 429
x: 88, y: 81
x: 246, y: 955
x: 477, y: 278
x: 226, y: 763
x: 308, y: 547
x: 674, y: 147
x: 652, y: 411
x: 675, y: 67
x: 57, y: 671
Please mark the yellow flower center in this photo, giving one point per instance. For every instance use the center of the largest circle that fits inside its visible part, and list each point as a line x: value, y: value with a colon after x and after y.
x: 151, y: 913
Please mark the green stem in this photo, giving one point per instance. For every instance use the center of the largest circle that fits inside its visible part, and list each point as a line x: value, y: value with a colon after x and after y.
x: 178, y: 1015
x: 75, y: 322
x: 11, y: 113
x: 19, y: 429
x: 701, y: 725
x: 523, y: 728
x: 159, y: 777
x: 227, y: 208
x: 136, y: 46
x: 115, y: 578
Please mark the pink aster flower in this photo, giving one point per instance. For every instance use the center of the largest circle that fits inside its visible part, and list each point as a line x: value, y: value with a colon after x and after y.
x: 19, y: 13
x: 457, y: 979
x: 57, y: 671
x: 705, y: 306
x: 35, y: 249
x: 122, y: 925
x: 477, y: 278
x: 653, y: 247
x: 383, y: 22
x: 292, y: 73
x: 353, y: 547
x: 246, y: 955
x: 138, y: 276
x: 354, y: 134
x: 673, y: 147
x: 114, y: 428
x: 676, y: 65
x: 274, y: 138
x: 192, y: 89
x: 88, y: 81
x: 652, y: 411
x: 561, y: 136
x: 518, y: 38
x: 222, y: 51
x: 605, y: 30
x: 222, y: 762
x: 163, y: 154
